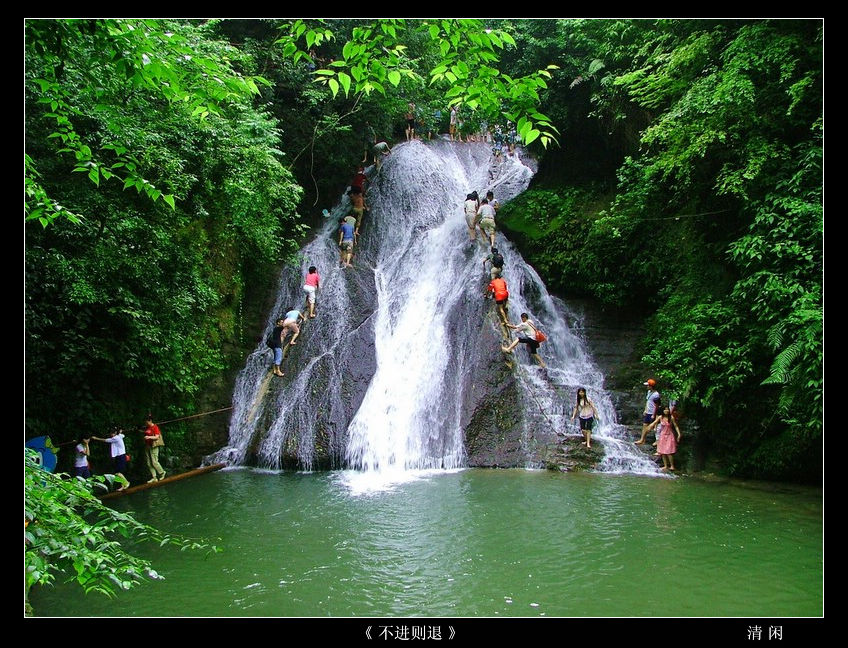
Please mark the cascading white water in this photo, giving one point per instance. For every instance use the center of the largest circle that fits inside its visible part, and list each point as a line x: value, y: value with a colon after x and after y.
x: 381, y: 377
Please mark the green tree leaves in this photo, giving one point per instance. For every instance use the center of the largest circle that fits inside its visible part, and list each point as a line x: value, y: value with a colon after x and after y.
x: 67, y: 530
x: 457, y: 56
x: 148, y: 56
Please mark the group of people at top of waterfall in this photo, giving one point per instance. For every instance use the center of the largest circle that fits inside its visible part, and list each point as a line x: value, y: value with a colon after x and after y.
x: 463, y: 126
x: 663, y: 420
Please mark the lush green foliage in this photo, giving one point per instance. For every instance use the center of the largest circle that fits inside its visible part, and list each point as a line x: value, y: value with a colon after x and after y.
x: 710, y: 130
x: 67, y: 530
x: 717, y: 221
x: 130, y: 307
x: 458, y: 56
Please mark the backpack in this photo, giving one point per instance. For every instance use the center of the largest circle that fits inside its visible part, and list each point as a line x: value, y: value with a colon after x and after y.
x: 270, y: 340
x: 540, y: 337
x: 497, y: 260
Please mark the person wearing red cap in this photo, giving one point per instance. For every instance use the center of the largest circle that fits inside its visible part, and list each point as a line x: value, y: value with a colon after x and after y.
x: 652, y: 401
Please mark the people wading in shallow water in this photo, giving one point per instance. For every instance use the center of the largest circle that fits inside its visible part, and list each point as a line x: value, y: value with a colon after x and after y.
x: 666, y: 442
x: 652, y: 400
x: 526, y: 335
x: 585, y: 409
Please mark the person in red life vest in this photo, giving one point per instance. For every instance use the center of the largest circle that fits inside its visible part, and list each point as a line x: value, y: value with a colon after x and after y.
x: 498, y: 287
x: 152, y: 442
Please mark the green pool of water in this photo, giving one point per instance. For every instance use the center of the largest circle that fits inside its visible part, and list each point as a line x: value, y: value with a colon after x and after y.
x: 489, y: 543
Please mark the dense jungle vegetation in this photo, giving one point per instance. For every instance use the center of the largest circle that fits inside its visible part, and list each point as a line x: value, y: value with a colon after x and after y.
x: 171, y: 166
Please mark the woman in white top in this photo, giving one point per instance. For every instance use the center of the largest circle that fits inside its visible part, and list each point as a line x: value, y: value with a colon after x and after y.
x: 526, y: 335
x: 585, y: 409
x: 118, y: 452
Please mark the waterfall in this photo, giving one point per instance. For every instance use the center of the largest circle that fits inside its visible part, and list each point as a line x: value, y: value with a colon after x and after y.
x: 388, y: 375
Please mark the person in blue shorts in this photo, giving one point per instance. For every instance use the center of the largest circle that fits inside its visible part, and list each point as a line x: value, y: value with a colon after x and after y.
x: 276, y: 343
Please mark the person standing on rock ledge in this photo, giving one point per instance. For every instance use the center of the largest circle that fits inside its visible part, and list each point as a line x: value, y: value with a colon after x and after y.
x: 652, y: 401
x: 585, y: 408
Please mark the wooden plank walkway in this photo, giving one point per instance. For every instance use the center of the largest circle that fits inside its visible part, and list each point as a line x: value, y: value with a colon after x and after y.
x: 167, y: 480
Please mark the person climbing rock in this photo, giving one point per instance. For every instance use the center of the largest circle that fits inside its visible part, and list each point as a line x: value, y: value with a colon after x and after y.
x: 380, y: 149
x: 359, y: 180
x: 471, y: 205
x: 496, y: 259
x: 526, y: 335
x: 454, y: 118
x: 346, y: 238
x: 311, y: 286
x: 369, y: 138
x: 290, y: 324
x: 275, y: 341
x: 358, y: 206
x: 498, y: 288
x: 486, y: 214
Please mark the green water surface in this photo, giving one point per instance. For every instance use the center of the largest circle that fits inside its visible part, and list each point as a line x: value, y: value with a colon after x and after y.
x: 471, y: 543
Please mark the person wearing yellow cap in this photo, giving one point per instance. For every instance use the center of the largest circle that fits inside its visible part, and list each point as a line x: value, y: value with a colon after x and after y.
x: 652, y: 402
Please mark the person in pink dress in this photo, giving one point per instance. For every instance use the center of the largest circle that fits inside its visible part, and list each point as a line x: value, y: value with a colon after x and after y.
x: 667, y: 443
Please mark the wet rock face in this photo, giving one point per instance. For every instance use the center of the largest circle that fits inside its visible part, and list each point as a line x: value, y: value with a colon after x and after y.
x: 338, y: 380
x: 569, y: 454
x: 493, y: 418
x: 466, y: 389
